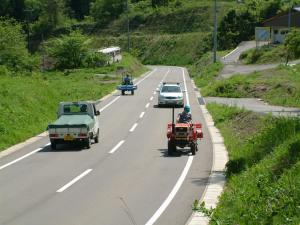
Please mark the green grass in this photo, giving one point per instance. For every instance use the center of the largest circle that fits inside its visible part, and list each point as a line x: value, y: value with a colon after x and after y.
x: 265, y: 55
x: 280, y: 86
x: 263, y: 185
x: 204, y: 71
x: 165, y: 49
x: 29, y: 103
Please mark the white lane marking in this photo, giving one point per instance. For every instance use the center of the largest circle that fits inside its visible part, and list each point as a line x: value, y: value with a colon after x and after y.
x: 142, y: 114
x: 175, y: 189
x: 185, y: 88
x: 133, y: 127
x: 147, y: 105
x: 164, y: 77
x: 151, y: 98
x: 231, y: 52
x: 153, y: 71
x: 154, y: 92
x: 117, y: 146
x: 74, y: 180
x: 19, y: 159
x: 48, y: 144
x: 109, y: 103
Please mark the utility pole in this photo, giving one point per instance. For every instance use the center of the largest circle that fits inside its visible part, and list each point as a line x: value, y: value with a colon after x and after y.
x: 215, y: 32
x: 128, y: 26
x: 289, y: 26
x: 27, y: 25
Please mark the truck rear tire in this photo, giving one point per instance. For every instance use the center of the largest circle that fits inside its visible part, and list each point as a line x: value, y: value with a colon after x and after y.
x: 97, y: 137
x: 132, y: 92
x: 88, y: 143
x: 123, y: 92
x: 53, y: 145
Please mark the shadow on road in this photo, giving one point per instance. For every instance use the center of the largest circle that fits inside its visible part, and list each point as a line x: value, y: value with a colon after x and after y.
x: 178, y: 153
x: 66, y: 147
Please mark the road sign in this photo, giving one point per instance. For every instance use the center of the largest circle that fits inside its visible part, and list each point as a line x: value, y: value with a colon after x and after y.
x: 262, y: 34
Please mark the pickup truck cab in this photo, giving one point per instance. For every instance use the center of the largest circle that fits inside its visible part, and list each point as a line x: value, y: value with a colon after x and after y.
x: 77, y: 122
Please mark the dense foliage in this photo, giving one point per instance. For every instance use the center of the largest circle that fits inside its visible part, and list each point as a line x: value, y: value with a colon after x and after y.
x: 263, y: 169
x: 292, y: 43
x: 13, y: 51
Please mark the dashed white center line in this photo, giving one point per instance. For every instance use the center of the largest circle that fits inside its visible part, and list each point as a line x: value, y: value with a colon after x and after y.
x: 117, y: 146
x: 142, y: 114
x: 148, y: 104
x: 154, y: 92
x: 151, y: 98
x: 133, y: 127
x: 74, y: 180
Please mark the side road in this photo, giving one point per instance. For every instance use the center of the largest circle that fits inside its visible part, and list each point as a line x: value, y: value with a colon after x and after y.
x: 232, y: 66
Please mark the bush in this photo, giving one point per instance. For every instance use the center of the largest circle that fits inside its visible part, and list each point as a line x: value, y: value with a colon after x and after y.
x: 96, y: 59
x: 292, y: 43
x: 69, y: 51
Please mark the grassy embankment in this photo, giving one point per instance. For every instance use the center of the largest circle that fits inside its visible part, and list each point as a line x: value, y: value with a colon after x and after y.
x: 280, y: 86
x: 263, y: 169
x: 265, y: 55
x: 29, y: 103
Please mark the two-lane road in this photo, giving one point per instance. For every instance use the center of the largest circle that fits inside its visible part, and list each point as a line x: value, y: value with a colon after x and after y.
x: 127, y: 178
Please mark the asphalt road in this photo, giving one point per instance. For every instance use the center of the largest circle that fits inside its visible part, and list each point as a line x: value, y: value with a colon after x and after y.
x: 127, y: 178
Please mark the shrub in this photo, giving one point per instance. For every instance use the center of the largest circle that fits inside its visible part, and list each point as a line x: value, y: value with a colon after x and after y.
x: 69, y: 51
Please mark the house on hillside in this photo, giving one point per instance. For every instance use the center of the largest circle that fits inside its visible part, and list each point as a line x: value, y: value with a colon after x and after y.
x: 279, y: 24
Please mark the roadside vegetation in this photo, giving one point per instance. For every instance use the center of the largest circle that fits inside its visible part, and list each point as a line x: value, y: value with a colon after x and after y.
x: 263, y: 169
x: 280, y: 86
x: 29, y: 101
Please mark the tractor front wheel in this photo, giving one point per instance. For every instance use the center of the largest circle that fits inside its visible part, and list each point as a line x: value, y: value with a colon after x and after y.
x: 171, y: 148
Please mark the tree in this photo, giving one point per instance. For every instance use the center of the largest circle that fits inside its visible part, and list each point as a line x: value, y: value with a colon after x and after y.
x: 105, y: 11
x: 236, y: 27
x: 292, y: 43
x: 69, y: 51
x: 156, y: 3
x: 80, y: 8
x: 13, y: 51
x: 12, y: 8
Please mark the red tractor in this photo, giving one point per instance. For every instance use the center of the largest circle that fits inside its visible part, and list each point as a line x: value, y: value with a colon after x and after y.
x: 183, y: 135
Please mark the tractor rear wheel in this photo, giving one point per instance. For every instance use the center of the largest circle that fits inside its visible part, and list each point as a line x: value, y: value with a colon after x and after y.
x: 132, y: 92
x: 171, y: 148
x: 193, y: 148
x: 123, y: 92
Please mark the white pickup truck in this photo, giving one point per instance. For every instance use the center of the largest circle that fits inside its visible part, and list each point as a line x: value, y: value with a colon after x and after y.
x: 77, y: 121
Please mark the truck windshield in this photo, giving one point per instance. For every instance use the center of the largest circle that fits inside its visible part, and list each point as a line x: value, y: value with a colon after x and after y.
x: 75, y: 108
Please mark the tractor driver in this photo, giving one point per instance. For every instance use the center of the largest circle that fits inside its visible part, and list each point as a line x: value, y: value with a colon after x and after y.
x: 127, y: 80
x: 185, y: 116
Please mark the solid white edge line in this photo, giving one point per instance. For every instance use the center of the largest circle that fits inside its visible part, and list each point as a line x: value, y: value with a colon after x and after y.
x: 148, y: 104
x: 153, y: 71
x: 74, y: 180
x: 168, y: 200
x: 151, y: 98
x: 133, y: 127
x: 117, y: 146
x: 109, y: 103
x: 230, y: 52
x: 142, y: 114
x: 19, y: 159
